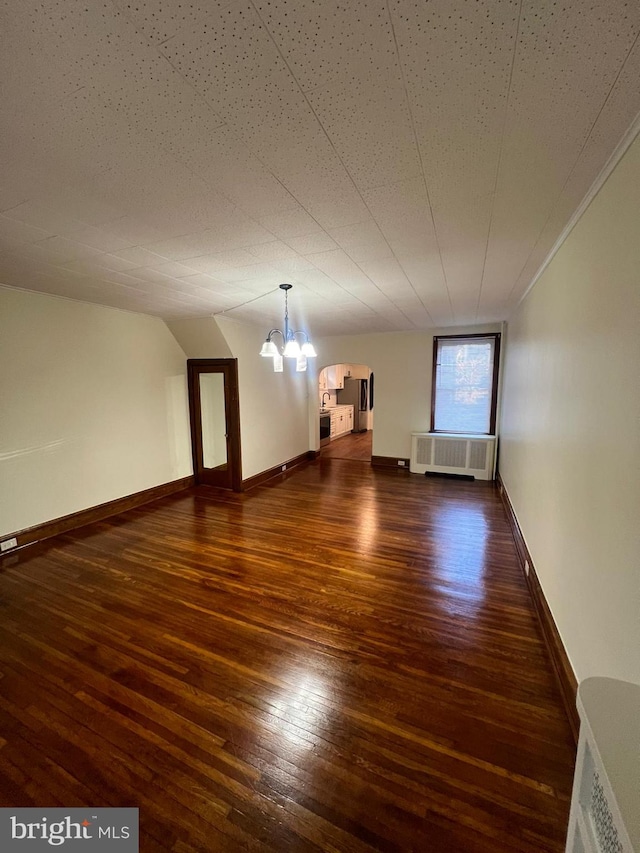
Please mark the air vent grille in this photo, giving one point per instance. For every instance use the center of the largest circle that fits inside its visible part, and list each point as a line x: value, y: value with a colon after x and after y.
x: 602, y: 819
x: 478, y: 455
x: 423, y: 451
x: 450, y: 453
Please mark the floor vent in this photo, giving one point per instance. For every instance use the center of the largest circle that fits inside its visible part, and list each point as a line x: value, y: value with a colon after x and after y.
x: 441, y: 453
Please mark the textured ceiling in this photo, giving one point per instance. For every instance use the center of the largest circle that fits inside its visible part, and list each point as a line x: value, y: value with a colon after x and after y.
x: 404, y: 164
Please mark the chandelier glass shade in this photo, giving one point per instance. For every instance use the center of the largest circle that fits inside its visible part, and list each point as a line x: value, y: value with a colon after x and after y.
x: 290, y: 347
x: 269, y: 349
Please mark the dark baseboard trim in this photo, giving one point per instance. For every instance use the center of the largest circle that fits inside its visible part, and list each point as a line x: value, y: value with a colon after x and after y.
x: 270, y: 473
x: 555, y: 647
x: 95, y: 513
x: 390, y: 462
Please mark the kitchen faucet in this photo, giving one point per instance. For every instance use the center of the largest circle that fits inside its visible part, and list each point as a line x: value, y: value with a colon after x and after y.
x: 326, y: 394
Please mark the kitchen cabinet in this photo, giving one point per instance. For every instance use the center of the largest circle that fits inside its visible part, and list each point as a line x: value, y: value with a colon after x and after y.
x: 356, y: 371
x: 341, y: 420
x: 349, y: 419
x: 335, y: 376
x: 332, y: 378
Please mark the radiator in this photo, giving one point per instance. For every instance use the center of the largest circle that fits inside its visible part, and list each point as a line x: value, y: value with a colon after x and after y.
x: 604, y: 814
x: 445, y: 453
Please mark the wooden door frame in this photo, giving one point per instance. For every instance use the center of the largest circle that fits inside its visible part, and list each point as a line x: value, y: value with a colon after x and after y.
x: 228, y: 367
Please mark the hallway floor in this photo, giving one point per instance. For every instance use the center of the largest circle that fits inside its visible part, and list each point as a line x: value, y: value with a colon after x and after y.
x: 354, y: 445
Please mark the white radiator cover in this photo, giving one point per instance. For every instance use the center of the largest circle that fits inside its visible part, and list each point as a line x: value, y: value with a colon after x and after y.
x: 605, y: 817
x: 452, y: 453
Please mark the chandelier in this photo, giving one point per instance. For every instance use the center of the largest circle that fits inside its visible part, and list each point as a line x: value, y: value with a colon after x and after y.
x: 290, y: 347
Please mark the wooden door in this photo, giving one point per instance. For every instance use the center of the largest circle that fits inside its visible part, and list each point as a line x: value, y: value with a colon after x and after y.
x: 215, y: 421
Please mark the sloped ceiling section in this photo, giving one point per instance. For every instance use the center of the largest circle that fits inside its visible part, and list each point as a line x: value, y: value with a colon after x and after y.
x: 404, y: 164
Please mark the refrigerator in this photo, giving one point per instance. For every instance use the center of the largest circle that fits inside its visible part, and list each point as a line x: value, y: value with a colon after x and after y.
x: 359, y: 394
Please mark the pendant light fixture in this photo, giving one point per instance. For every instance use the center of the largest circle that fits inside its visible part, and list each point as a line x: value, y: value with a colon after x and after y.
x: 290, y: 346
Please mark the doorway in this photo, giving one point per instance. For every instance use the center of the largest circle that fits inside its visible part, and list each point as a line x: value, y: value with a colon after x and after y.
x: 214, y: 412
x: 357, y: 447
x: 346, y: 398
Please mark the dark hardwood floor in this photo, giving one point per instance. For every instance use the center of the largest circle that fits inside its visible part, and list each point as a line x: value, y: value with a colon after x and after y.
x: 344, y: 659
x: 354, y: 445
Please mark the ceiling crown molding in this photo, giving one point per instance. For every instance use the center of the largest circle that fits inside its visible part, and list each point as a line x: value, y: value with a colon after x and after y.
x: 617, y: 155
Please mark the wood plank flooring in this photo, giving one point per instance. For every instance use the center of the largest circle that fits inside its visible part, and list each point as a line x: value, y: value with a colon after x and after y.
x: 354, y: 445
x: 344, y: 659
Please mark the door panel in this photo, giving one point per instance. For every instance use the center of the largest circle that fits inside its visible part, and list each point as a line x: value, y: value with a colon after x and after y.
x: 215, y: 422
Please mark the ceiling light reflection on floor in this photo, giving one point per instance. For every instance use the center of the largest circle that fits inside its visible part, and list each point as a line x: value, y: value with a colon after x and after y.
x: 299, y: 708
x: 367, y: 528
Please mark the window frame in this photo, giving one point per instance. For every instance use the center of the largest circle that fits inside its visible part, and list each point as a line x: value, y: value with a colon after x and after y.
x: 494, y: 381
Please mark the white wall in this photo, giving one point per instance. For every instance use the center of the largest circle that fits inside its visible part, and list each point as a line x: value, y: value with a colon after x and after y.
x: 94, y: 407
x: 200, y: 337
x: 274, y: 407
x: 402, y: 365
x: 570, y: 452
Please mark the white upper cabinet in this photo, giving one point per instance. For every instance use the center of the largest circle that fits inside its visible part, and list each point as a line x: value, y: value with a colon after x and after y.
x: 356, y: 371
x: 335, y: 376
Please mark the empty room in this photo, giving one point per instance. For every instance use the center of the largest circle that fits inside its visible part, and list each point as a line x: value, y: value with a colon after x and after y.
x: 319, y: 426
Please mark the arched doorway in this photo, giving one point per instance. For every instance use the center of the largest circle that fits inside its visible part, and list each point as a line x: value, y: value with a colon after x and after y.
x: 346, y: 401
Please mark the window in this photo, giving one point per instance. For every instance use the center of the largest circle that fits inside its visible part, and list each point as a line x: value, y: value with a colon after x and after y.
x: 465, y: 383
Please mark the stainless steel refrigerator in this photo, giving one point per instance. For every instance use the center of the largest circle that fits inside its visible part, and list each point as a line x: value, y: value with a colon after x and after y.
x: 359, y: 394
